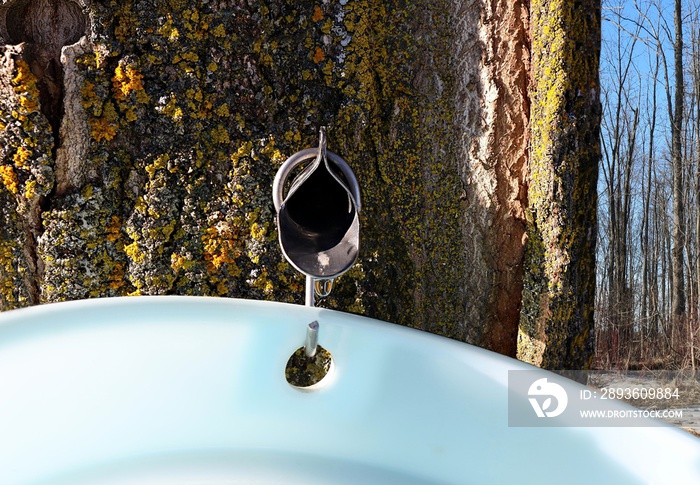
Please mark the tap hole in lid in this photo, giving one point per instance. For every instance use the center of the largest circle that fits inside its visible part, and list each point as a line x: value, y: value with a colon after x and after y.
x: 306, y: 373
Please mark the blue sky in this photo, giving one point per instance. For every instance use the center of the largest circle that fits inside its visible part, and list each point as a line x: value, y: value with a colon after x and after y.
x: 622, y: 39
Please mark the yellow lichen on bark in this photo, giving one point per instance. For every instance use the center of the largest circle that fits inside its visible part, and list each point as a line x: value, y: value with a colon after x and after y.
x: 25, y: 85
x: 191, y: 107
x: 126, y: 79
x: 565, y: 117
x: 9, y: 178
x: 26, y: 177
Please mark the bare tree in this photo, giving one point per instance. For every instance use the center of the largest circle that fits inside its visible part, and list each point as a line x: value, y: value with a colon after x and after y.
x: 662, y: 197
x: 619, y: 144
x: 676, y: 114
x: 648, y: 327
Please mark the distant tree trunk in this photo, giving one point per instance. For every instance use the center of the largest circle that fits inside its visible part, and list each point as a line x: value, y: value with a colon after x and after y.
x: 696, y: 83
x: 620, y: 127
x: 678, y: 290
x: 565, y: 121
x: 174, y: 116
x: 648, y: 265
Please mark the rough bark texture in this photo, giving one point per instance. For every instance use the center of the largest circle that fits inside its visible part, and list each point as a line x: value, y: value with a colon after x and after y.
x: 501, y: 167
x: 565, y: 118
x: 175, y: 115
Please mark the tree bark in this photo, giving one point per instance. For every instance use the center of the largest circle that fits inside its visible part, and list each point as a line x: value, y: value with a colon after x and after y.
x: 497, y: 177
x: 176, y: 115
x: 565, y: 120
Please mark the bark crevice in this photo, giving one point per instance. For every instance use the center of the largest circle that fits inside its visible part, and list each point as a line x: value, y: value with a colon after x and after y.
x: 45, y: 27
x: 42, y: 41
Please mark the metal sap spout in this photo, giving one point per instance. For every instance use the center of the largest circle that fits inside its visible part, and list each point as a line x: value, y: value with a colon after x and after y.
x: 318, y: 218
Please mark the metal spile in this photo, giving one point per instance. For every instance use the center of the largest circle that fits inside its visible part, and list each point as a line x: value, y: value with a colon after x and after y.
x: 318, y: 219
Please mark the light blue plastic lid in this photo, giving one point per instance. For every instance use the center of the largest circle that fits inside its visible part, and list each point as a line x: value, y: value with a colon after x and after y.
x: 156, y: 390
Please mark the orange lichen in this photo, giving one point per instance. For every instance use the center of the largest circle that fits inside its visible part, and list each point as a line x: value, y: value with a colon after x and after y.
x: 113, y: 229
x: 127, y: 79
x: 104, y: 128
x: 101, y: 129
x: 117, y: 276
x: 90, y: 98
x: 220, y: 247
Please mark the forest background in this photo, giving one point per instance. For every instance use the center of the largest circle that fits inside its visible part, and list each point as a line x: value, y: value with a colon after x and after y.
x: 648, y: 259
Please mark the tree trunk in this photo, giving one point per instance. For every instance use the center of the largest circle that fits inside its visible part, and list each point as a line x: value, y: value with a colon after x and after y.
x: 565, y: 121
x: 678, y: 236
x: 696, y: 82
x: 185, y: 110
x: 173, y: 118
x: 496, y: 174
x: 649, y: 266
